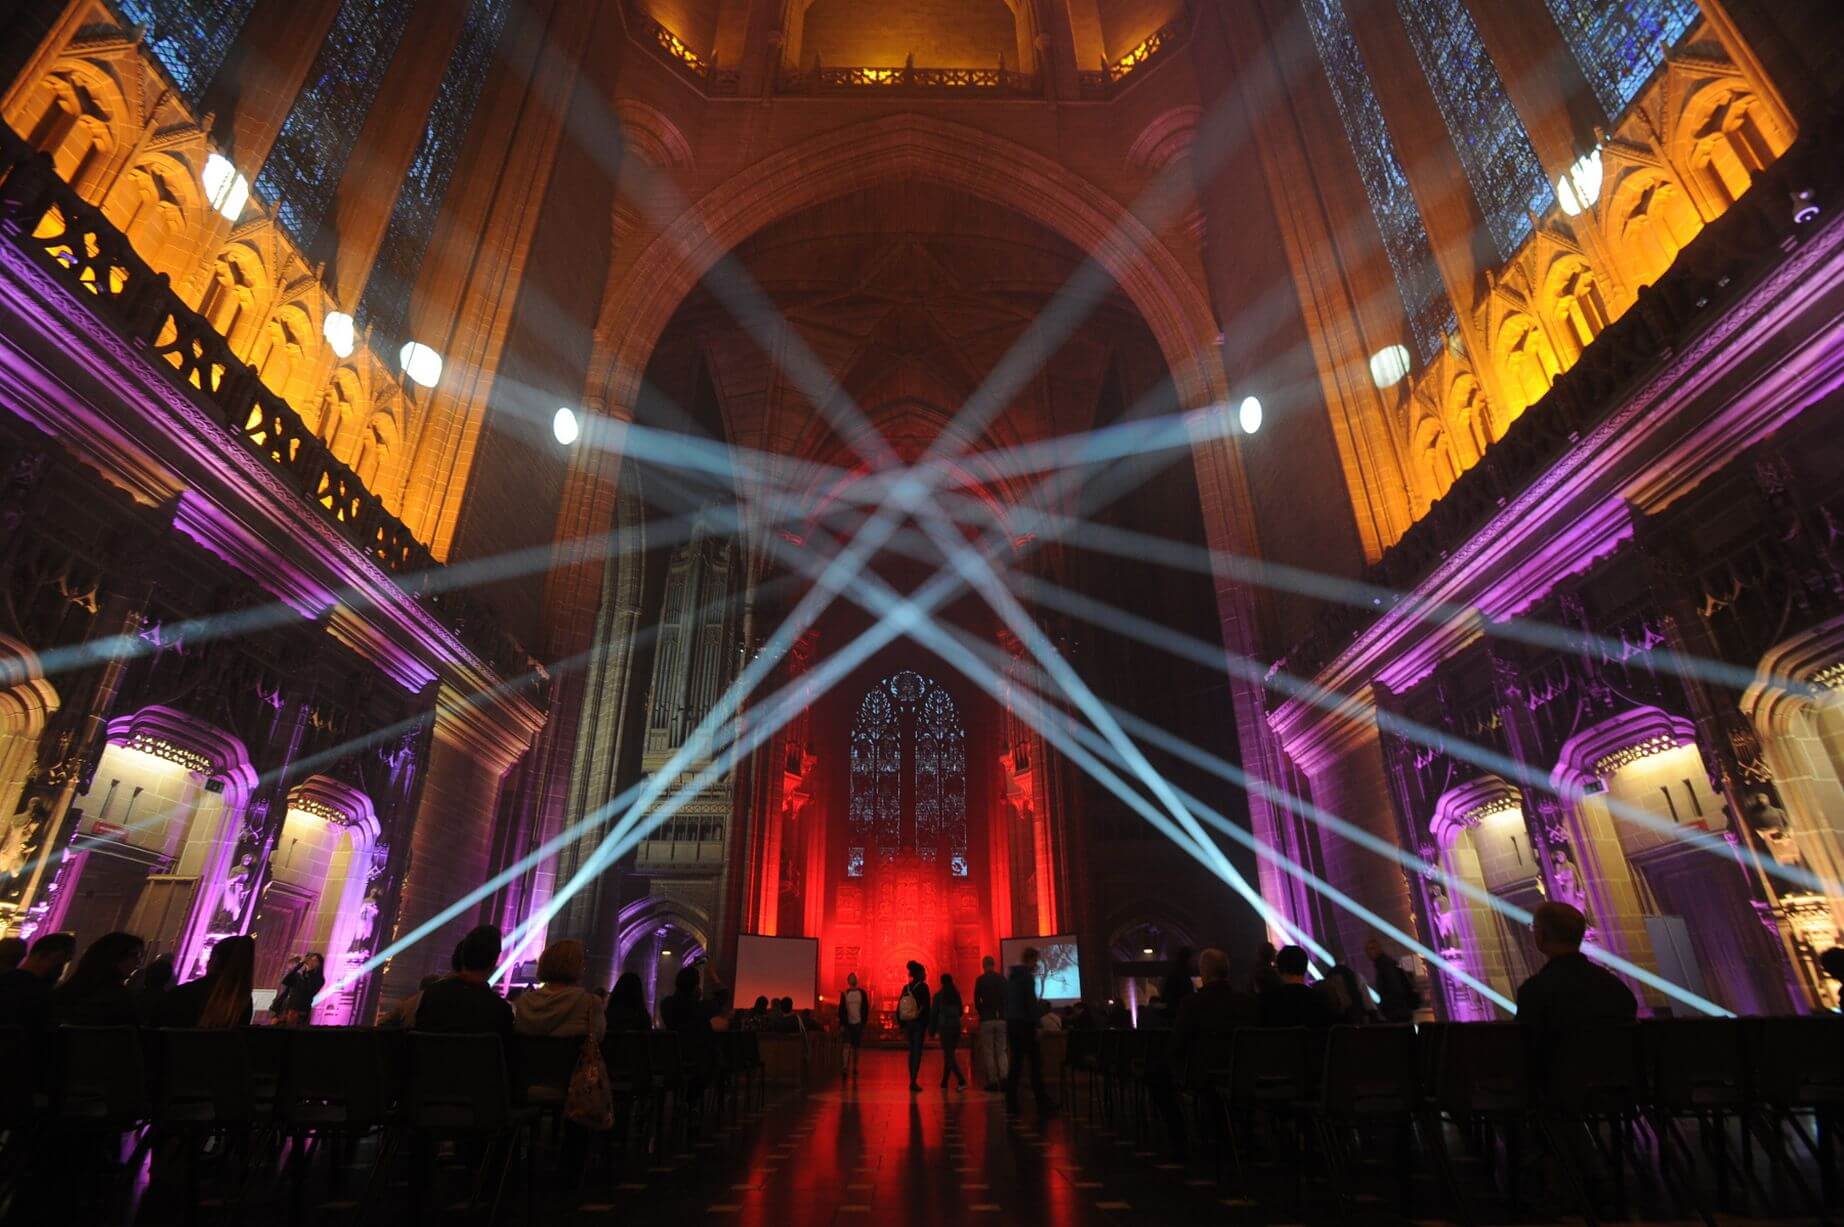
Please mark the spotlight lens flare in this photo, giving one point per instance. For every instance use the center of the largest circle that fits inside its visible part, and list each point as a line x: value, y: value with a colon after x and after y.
x: 564, y: 426
x: 227, y: 190
x: 1248, y: 415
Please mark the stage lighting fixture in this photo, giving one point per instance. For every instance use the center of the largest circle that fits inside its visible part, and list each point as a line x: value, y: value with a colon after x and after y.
x: 340, y: 333
x: 227, y: 190
x: 1248, y: 415
x: 421, y: 363
x: 564, y: 426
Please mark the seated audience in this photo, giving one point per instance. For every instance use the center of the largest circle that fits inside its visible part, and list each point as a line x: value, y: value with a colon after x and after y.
x: 1570, y: 991
x: 757, y: 1016
x: 154, y: 982
x: 685, y: 1011
x: 25, y: 991
x: 96, y: 992
x: 786, y: 1021
x: 1397, y: 996
x: 12, y: 953
x: 627, y: 1005
x: 1264, y: 977
x: 1291, y: 1003
x: 1217, y: 1008
x: 219, y: 998
x: 720, y: 1010
x: 465, y: 1003
x: 559, y: 1005
x: 1344, y: 989
x: 403, y: 1014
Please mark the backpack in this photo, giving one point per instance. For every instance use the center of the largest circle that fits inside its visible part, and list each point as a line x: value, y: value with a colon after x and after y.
x: 908, y: 1009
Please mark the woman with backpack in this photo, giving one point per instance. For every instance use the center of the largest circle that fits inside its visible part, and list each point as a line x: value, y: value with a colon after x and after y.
x: 913, y: 1017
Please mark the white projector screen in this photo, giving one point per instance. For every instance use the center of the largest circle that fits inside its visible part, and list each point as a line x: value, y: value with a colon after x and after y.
x: 1059, y: 972
x: 775, y: 967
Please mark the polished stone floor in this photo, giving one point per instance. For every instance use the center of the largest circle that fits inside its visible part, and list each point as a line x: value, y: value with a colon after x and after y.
x: 871, y: 1152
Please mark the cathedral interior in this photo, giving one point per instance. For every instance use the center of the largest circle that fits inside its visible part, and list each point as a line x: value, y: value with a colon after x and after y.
x: 914, y: 474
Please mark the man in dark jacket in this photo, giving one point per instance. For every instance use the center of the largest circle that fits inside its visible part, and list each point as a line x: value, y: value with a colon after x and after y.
x: 1570, y: 991
x: 1216, y: 1009
x: 25, y: 991
x: 465, y: 1003
x: 1023, y: 1011
x: 1292, y: 1002
x: 989, y: 1004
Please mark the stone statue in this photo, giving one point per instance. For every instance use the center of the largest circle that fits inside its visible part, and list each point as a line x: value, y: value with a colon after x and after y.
x: 18, y: 837
x: 361, y: 933
x: 1566, y: 880
x: 1768, y: 820
x: 237, y: 885
x: 1442, y: 913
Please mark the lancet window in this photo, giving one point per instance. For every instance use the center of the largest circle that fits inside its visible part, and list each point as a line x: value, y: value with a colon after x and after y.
x: 1494, y: 150
x: 310, y: 153
x: 1405, y: 238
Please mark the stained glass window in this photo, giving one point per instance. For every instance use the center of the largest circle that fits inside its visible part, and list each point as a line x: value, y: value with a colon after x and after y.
x: 310, y: 153
x: 1405, y: 239
x: 1508, y: 180
x: 1621, y: 43
x: 190, y: 38
x: 386, y: 301
x: 908, y: 746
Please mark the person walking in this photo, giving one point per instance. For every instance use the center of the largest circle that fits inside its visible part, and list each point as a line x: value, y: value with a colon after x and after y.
x: 1023, y: 1011
x: 912, y: 1016
x: 854, y: 1010
x: 989, y: 1046
x: 946, y: 1024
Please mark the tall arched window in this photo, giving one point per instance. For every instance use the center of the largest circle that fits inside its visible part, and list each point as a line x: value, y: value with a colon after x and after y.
x: 908, y: 777
x: 190, y: 38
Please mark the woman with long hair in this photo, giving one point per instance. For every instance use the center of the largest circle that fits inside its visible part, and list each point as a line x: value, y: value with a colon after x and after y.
x: 96, y: 994
x: 232, y: 974
x: 627, y: 1005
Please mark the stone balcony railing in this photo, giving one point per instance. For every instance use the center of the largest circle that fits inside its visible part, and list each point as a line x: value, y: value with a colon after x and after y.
x: 46, y: 219
x: 1108, y: 81
x: 1713, y: 273
x: 910, y: 81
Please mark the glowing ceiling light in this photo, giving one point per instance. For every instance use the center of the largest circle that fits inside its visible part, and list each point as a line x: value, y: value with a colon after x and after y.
x: 1581, y: 186
x: 421, y: 363
x: 1248, y: 415
x: 565, y: 427
x: 1388, y: 365
x: 225, y: 189
x: 340, y: 333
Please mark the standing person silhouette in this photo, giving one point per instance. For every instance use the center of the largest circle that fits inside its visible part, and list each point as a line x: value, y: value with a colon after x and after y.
x: 946, y: 1022
x: 854, y: 1010
x: 1023, y: 1011
x: 989, y: 1004
x: 912, y: 1015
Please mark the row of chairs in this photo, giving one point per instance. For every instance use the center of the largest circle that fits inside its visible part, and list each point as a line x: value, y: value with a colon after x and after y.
x: 297, y: 1092
x: 1634, y: 1093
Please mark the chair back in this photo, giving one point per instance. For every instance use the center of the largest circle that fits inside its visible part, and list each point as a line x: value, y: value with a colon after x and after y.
x: 1267, y: 1066
x: 1369, y: 1071
x: 16, y: 1107
x: 1799, y: 1062
x: 101, y: 1078
x: 546, y: 1063
x: 1482, y: 1068
x: 334, y: 1078
x: 268, y: 1052
x: 458, y: 1083
x: 1592, y: 1070
x: 1694, y: 1063
x: 205, y: 1077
